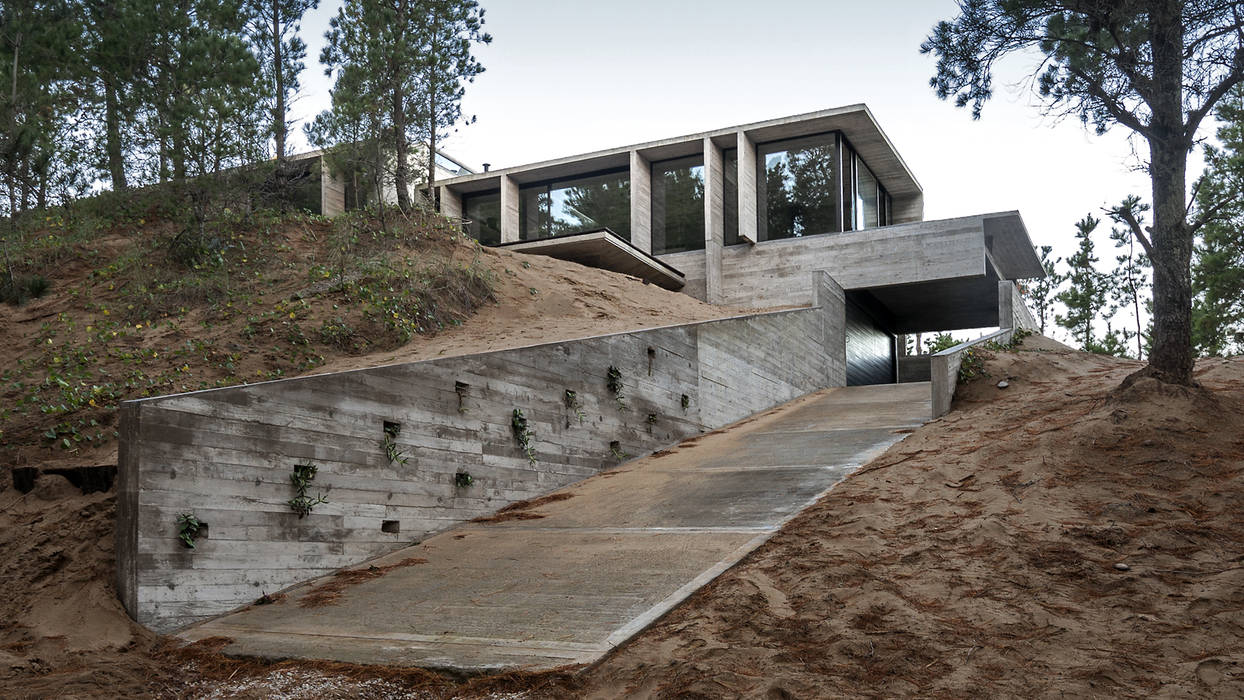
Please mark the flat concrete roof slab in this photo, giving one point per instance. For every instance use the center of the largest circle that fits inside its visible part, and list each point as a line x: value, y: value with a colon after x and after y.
x: 605, y: 250
x: 597, y: 567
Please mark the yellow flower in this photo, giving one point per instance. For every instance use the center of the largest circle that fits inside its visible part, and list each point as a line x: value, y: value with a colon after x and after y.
x: 138, y: 326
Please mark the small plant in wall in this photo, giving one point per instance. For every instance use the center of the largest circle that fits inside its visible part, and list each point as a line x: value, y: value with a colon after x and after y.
x: 613, y: 381
x: 301, y: 503
x: 463, y: 479
x: 573, y: 404
x: 395, y: 454
x: 523, y: 435
x: 615, y: 447
x: 188, y: 527
x: 686, y: 402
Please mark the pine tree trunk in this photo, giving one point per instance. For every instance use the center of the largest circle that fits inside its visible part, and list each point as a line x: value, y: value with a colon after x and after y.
x: 1170, y: 357
x: 278, y: 110
x: 433, y: 199
x: 112, y: 139
x: 401, y: 151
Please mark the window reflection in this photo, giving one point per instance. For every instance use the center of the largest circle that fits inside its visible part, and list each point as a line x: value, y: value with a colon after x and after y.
x: 576, y: 205
x: 678, y: 205
x: 797, y: 190
x: 483, y: 215
x: 730, y: 193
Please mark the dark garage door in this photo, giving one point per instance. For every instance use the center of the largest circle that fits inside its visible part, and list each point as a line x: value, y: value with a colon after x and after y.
x: 870, y: 350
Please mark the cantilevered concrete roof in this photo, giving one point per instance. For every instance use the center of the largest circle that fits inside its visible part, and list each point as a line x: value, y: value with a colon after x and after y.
x: 856, y: 122
x: 605, y: 250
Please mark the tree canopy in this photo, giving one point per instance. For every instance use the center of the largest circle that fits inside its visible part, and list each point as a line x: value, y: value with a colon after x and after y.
x: 1155, y: 67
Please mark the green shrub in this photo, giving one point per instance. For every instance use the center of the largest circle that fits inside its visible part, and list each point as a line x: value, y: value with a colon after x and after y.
x: 18, y: 290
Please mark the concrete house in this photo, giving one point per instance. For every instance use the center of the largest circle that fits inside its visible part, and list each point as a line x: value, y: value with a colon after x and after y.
x: 742, y: 216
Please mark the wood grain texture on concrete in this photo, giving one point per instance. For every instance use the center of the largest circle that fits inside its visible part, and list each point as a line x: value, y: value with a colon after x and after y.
x: 227, y: 455
x: 586, y: 573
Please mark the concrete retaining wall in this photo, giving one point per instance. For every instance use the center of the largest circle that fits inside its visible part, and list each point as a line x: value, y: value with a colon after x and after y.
x: 944, y: 369
x: 913, y: 368
x: 227, y: 455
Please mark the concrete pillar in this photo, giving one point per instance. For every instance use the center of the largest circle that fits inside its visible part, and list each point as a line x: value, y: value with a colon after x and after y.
x: 747, y: 188
x: 332, y: 191
x: 641, y: 202
x: 714, y: 221
x: 1006, y: 311
x: 451, y: 202
x: 509, y: 209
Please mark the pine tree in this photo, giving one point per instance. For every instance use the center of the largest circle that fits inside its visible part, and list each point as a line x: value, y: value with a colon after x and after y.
x: 1157, y: 68
x: 375, y: 47
x: 274, y: 27
x: 1218, y: 264
x: 1044, y: 291
x: 1132, y: 272
x: 1085, y: 297
x: 452, y: 27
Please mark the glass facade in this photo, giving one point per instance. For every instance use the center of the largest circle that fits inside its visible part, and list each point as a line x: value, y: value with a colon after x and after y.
x: 483, y: 215
x: 576, y: 205
x: 805, y: 186
x: 730, y: 194
x: 678, y: 205
x: 816, y: 184
x: 797, y: 188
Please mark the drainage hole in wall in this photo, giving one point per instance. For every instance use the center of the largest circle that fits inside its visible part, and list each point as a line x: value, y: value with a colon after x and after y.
x: 392, y: 428
x: 391, y: 526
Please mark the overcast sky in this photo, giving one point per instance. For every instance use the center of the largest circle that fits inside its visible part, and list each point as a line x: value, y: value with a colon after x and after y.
x: 565, y: 77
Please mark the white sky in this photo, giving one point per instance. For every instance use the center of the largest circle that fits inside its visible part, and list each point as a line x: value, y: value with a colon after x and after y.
x: 565, y: 77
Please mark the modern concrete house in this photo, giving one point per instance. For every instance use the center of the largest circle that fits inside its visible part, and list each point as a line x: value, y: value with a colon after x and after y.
x: 742, y: 215
x: 816, y: 211
x: 321, y: 191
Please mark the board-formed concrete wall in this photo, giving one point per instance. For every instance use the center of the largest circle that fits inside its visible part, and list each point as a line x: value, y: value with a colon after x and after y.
x: 226, y: 455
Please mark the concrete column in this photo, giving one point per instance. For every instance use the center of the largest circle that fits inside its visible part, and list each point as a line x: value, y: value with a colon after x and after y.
x: 451, y: 202
x: 332, y: 191
x: 641, y: 202
x: 509, y: 209
x: 747, y: 188
x: 714, y: 221
x: 1006, y: 310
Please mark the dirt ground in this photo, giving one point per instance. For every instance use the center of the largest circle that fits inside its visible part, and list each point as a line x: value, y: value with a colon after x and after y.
x: 1056, y: 538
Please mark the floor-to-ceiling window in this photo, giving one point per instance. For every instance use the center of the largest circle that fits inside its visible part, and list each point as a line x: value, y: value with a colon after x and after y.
x: 483, y: 215
x: 730, y: 194
x: 678, y: 205
x: 797, y: 187
x: 574, y: 205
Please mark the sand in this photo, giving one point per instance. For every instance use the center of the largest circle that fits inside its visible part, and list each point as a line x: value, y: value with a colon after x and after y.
x: 979, y: 557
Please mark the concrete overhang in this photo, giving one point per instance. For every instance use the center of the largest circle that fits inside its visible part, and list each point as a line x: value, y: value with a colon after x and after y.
x: 605, y: 250
x: 1010, y: 248
x: 936, y: 275
x: 856, y: 122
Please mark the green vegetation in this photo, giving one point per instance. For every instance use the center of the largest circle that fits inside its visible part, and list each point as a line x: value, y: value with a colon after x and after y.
x: 301, y: 478
x: 523, y: 434
x: 613, y: 382
x: 130, y: 315
x: 188, y: 527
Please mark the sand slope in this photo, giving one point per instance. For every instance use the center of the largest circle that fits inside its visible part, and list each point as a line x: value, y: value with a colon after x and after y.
x: 976, y: 558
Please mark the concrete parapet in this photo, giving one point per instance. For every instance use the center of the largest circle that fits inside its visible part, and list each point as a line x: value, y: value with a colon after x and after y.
x: 944, y: 369
x: 408, y: 450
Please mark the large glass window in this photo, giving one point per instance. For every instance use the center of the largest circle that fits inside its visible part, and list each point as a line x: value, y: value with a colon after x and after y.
x: 867, y: 197
x: 483, y: 215
x: 576, y: 205
x: 797, y: 188
x: 730, y: 194
x: 678, y: 205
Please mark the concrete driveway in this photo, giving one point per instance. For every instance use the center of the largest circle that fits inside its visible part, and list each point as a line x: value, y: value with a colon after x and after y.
x: 566, y: 581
